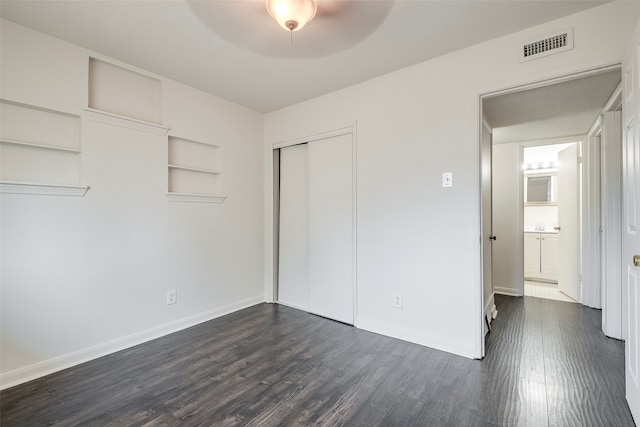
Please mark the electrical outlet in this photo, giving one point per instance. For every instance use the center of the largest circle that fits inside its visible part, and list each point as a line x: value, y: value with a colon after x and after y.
x: 172, y: 297
x: 397, y: 300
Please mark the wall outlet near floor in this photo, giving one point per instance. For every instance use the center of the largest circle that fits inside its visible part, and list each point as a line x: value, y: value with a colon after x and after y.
x: 172, y: 297
x: 397, y: 300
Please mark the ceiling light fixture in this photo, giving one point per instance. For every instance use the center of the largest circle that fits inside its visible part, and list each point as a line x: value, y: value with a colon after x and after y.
x: 292, y: 14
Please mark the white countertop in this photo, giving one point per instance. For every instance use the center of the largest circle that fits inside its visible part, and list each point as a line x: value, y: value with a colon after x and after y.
x: 532, y: 229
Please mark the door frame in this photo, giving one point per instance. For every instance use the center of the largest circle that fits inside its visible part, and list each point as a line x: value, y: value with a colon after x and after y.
x: 606, y: 132
x: 489, y: 307
x: 271, y: 291
x: 579, y: 141
x: 533, y: 84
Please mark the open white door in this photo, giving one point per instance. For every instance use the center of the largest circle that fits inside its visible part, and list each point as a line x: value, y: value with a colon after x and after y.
x: 569, y: 222
x: 631, y: 225
x: 487, y: 228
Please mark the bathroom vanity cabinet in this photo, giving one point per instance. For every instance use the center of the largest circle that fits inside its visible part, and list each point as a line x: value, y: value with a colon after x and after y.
x: 541, y: 256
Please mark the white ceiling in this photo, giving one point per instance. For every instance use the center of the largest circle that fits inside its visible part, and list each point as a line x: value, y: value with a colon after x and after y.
x: 543, y: 153
x: 563, y: 109
x: 233, y: 48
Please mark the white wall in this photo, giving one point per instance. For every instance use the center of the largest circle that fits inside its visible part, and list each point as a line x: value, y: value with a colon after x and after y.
x: 415, y: 237
x: 84, y: 276
x: 546, y: 216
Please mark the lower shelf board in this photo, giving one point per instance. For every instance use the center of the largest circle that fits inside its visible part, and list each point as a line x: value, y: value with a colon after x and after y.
x: 11, y: 187
x: 195, y: 198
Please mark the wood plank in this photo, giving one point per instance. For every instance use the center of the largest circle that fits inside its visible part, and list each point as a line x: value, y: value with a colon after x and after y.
x: 547, y: 364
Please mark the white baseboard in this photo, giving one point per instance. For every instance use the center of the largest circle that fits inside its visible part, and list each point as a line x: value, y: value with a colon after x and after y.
x: 506, y: 291
x: 46, y: 367
x: 417, y: 337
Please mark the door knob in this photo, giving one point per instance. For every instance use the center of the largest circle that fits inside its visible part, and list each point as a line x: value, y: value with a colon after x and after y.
x: 557, y: 228
x: 492, y: 237
x: 636, y: 260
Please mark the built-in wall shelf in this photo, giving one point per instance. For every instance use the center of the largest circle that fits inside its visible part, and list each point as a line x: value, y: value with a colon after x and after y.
x: 125, y: 92
x: 124, y: 121
x: 186, y: 168
x: 45, y: 147
x: 8, y: 187
x: 195, y: 198
x: 41, y: 145
x: 193, y: 171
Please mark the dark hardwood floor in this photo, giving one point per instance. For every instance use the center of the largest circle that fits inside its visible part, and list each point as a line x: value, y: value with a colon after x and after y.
x: 547, y: 364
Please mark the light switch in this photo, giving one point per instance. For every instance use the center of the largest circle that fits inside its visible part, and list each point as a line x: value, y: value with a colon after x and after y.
x: 447, y: 179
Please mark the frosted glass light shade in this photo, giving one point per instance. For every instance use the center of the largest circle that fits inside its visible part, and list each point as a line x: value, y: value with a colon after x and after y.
x: 292, y: 14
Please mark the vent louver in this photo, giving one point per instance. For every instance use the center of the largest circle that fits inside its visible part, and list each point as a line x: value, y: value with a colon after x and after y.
x: 547, y: 45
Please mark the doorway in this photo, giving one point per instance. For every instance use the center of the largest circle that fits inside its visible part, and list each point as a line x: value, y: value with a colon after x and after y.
x: 550, y: 195
x: 558, y: 111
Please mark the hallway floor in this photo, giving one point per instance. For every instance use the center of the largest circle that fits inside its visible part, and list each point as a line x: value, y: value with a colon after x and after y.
x: 546, y: 291
x: 547, y: 364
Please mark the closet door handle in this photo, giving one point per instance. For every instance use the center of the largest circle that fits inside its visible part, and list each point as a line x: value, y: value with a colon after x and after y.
x: 492, y: 237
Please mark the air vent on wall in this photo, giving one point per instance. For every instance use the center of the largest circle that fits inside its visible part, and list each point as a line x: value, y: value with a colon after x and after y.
x: 547, y: 45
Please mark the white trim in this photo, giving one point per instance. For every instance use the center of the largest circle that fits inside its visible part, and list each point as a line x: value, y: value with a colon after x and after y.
x: 591, y: 217
x: 354, y: 213
x: 506, y: 291
x: 316, y: 137
x: 418, y: 337
x: 39, y: 108
x: 10, y: 187
x: 37, y: 370
x: 195, y: 198
x: 270, y: 255
x: 611, y: 224
x: 596, y: 128
x: 275, y: 228
x: 125, y: 66
x: 615, y: 101
x: 548, y: 80
x: 46, y: 147
x: 125, y: 122
x: 564, y: 139
x: 188, y: 168
x: 486, y: 124
x: 193, y: 141
x: 480, y: 344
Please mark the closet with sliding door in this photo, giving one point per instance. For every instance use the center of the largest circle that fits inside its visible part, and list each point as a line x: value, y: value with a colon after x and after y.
x: 316, y: 236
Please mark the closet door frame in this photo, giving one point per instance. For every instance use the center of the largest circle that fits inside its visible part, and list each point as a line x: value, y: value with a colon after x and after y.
x: 349, y: 130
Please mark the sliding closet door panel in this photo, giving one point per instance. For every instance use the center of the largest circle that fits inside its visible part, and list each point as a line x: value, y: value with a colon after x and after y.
x: 293, y: 277
x: 331, y: 228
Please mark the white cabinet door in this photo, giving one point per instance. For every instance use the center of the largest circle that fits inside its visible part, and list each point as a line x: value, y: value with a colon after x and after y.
x: 549, y: 256
x: 532, y: 255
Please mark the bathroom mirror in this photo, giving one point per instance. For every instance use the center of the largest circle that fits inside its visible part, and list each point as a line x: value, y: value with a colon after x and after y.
x: 540, y: 189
